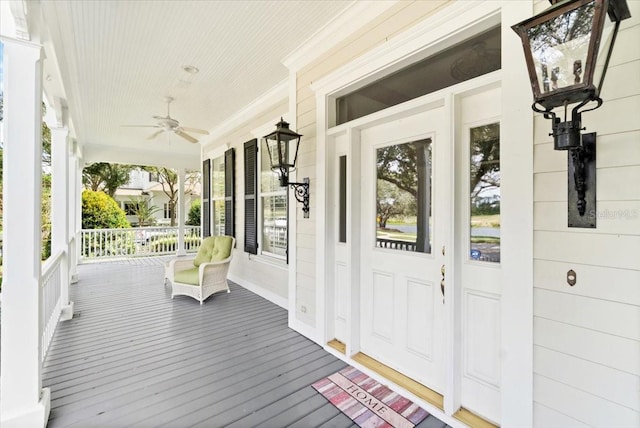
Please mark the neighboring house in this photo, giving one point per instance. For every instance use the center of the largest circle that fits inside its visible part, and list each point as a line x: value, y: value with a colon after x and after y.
x: 544, y: 331
x: 148, y: 185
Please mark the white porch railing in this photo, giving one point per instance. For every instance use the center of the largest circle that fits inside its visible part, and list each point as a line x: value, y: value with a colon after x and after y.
x: 51, y: 305
x: 136, y: 241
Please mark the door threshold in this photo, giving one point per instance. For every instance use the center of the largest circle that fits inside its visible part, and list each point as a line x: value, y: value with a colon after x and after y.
x: 473, y: 420
x: 416, y: 388
x: 338, y: 346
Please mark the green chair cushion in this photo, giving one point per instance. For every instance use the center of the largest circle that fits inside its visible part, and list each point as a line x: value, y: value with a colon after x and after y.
x: 188, y: 276
x: 213, y: 249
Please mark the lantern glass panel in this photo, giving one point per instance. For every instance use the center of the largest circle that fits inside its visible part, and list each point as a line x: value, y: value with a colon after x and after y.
x: 288, y: 149
x: 559, y: 48
x: 273, y: 152
x: 605, y: 44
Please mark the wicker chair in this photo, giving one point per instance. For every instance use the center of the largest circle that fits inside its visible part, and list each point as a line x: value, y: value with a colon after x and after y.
x: 206, y: 274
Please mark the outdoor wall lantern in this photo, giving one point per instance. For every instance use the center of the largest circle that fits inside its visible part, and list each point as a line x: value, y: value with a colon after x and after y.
x: 561, y: 48
x: 283, y: 144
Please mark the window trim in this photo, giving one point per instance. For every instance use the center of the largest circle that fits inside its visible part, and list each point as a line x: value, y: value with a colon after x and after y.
x: 281, y: 191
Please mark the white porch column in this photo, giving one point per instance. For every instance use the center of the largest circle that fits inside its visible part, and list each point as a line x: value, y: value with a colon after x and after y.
x: 181, y: 212
x: 76, y: 216
x: 24, y: 402
x: 61, y: 209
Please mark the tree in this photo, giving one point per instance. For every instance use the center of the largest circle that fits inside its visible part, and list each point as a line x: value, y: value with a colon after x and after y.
x: 485, y: 159
x: 100, y: 211
x: 144, y: 211
x: 169, y: 180
x: 408, y: 167
x: 45, y: 215
x: 106, y: 176
x: 391, y: 201
x: 193, y: 219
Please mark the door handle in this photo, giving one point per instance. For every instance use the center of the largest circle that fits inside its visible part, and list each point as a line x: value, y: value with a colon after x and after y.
x: 442, y: 282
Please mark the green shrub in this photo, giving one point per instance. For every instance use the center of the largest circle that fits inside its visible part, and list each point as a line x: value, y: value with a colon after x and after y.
x: 100, y: 211
x: 193, y: 219
x: 171, y: 244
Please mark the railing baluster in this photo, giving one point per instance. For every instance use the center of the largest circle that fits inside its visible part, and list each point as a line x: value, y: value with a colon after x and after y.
x: 105, y: 243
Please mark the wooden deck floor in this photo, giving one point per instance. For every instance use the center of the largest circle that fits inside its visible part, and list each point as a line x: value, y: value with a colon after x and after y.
x: 132, y: 356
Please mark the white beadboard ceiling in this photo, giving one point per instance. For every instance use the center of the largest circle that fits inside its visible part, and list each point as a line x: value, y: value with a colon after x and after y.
x: 117, y: 60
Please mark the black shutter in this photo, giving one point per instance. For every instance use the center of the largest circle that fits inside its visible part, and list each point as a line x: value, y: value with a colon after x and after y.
x: 229, y: 193
x: 206, y: 198
x: 250, y: 196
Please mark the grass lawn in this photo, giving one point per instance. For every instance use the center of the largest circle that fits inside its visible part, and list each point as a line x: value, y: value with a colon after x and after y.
x: 485, y: 220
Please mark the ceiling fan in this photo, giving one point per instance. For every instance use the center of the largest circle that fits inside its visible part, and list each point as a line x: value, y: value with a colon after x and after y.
x: 167, y: 123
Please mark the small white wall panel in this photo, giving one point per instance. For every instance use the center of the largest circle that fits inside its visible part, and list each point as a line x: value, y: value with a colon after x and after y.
x: 544, y: 417
x: 383, y: 306
x: 613, y: 217
x: 550, y: 186
x: 610, y: 384
x: 342, y: 289
x: 546, y: 159
x: 619, y: 251
x: 592, y: 281
x: 420, y: 318
x: 587, y: 408
x: 482, y: 338
x: 618, y: 149
x: 602, y: 348
x: 595, y: 314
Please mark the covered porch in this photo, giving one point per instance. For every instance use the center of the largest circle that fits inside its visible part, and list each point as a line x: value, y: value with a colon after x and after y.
x: 132, y: 356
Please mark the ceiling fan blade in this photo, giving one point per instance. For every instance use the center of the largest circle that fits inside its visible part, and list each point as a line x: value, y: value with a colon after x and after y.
x: 196, y: 130
x: 155, y: 134
x: 187, y: 137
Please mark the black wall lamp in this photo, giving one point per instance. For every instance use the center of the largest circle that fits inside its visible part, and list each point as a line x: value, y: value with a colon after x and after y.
x: 283, y: 144
x: 561, y: 48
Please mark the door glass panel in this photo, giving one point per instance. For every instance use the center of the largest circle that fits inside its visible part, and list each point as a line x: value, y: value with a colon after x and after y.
x: 485, y: 193
x: 403, y: 197
x: 343, y: 199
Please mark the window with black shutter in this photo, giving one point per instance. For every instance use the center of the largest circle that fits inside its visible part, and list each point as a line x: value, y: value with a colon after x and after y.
x: 229, y: 192
x: 250, y: 193
x: 206, y: 193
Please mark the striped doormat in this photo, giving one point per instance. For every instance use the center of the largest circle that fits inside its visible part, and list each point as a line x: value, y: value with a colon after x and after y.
x: 367, y: 402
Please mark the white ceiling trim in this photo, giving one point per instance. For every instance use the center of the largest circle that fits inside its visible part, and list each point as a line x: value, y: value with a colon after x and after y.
x: 101, y: 153
x: 352, y: 19
x: 261, y: 104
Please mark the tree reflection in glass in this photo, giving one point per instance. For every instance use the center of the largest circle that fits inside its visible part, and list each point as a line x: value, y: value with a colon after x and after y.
x: 403, y: 196
x: 484, y: 173
x: 559, y: 48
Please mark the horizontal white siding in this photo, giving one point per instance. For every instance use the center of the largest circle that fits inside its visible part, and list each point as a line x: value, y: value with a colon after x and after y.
x: 587, y: 337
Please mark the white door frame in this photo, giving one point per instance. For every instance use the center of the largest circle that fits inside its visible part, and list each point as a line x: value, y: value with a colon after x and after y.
x: 517, y: 173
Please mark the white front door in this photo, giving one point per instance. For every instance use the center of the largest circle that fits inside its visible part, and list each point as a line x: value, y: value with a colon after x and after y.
x: 406, y: 171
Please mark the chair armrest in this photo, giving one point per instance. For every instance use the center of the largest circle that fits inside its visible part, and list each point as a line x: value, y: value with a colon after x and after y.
x: 220, y: 266
x: 179, y: 264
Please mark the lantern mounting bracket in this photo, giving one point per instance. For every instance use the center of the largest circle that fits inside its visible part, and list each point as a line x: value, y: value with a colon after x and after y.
x: 301, y: 192
x: 581, y: 162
